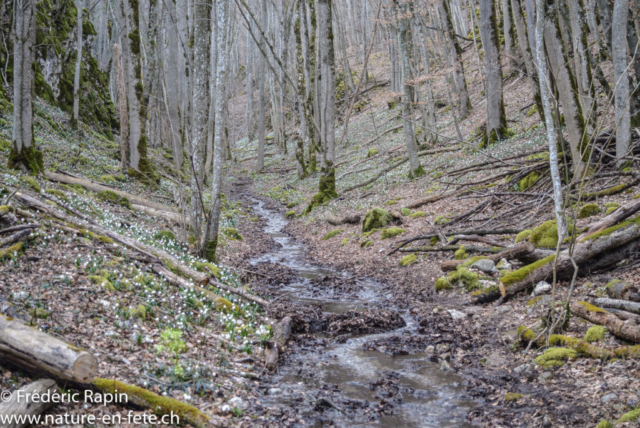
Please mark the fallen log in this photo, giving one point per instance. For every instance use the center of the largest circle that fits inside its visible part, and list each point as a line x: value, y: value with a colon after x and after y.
x: 584, y: 348
x: 466, y: 232
x: 517, y: 252
x: 96, y: 187
x: 429, y: 199
x: 606, y: 243
x: 623, y: 315
x: 624, y: 305
x: 615, y: 217
x: 627, y: 330
x: 276, y: 346
x: 471, y: 249
x: 337, y: 221
x: 156, y: 255
x: 167, y: 215
x: 476, y: 238
x: 623, y: 291
x: 22, y: 406
x: 161, y: 406
x: 20, y: 227
x: 35, y: 351
x: 15, y: 237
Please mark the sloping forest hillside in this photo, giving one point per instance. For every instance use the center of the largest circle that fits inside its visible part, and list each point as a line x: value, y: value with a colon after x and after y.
x: 396, y: 213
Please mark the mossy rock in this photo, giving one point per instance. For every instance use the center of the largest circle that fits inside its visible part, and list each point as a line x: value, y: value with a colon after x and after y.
x: 102, y: 282
x: 366, y: 244
x: 232, y: 233
x: 372, y: 152
x: 32, y: 183
x: 528, y: 181
x: 11, y: 252
x: 123, y: 285
x: 589, y: 210
x: 107, y: 178
x: 376, y: 218
x: 207, y: 267
x: 631, y: 416
x: 417, y: 214
x: 408, y: 259
x: 546, y: 234
x: 595, y: 334
x: 114, y: 198
x: 290, y: 214
x: 461, y: 253
x: 465, y: 277
x: 611, y: 207
x: 512, y: 396
x: 442, y: 283
x: 121, y: 178
x: 139, y: 312
x: 291, y: 204
x: 391, y: 232
x: 391, y: 202
x: 345, y: 241
x: 166, y: 235
x: 406, y: 212
x: 555, y: 357
x: 522, y: 236
x: 332, y: 234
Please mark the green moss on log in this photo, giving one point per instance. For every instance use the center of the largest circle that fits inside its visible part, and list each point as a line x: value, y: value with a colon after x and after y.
x: 232, y: 233
x: 207, y: 267
x: 332, y: 234
x: 595, y: 334
x: 631, y: 416
x: 11, y: 252
x: 442, y: 283
x: 417, y: 214
x: 608, y: 231
x: 555, y: 357
x: 290, y: 214
x: 114, y: 198
x: 522, y: 236
x: 545, y: 235
x: 32, y: 183
x: 522, y: 273
x: 528, y: 181
x: 461, y: 253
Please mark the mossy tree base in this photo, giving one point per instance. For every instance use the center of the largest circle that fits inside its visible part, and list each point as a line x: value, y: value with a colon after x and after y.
x: 29, y: 159
x: 327, y: 190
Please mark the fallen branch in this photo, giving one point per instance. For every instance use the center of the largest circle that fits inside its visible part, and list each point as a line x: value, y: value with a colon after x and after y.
x: 465, y: 232
x: 627, y: 330
x: 476, y: 238
x: 35, y: 351
x: 27, y: 403
x: 20, y: 227
x: 615, y: 217
x: 429, y: 199
x: 337, y: 221
x: 276, y: 346
x: 624, y: 305
x: 470, y: 249
x: 15, y: 237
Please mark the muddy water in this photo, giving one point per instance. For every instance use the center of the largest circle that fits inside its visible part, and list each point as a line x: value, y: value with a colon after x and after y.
x: 427, y: 397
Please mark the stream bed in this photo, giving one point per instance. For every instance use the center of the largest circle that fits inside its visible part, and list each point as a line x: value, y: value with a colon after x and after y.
x: 386, y: 391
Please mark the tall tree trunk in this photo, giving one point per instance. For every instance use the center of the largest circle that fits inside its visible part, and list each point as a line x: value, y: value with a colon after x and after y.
x: 525, y: 50
x: 403, y: 15
x: 455, y: 59
x: 621, y: 79
x: 200, y: 103
x: 261, y: 94
x: 496, y: 119
x: 24, y: 155
x: 122, y: 109
x: 301, y: 104
x: 213, y: 219
x: 76, y: 77
x: 249, y: 84
x: 507, y: 30
x: 172, y: 83
x: 548, y: 114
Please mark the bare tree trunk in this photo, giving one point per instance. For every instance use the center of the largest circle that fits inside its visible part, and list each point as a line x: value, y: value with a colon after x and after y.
x: 261, y: 94
x: 122, y: 108
x: 496, y: 119
x: 586, y: 89
x: 251, y: 69
x: 24, y: 154
x: 213, y: 221
x: 76, y: 77
x: 621, y: 79
x: 551, y: 131
x: 507, y: 30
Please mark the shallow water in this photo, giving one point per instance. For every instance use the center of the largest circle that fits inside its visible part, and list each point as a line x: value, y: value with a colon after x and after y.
x: 429, y: 396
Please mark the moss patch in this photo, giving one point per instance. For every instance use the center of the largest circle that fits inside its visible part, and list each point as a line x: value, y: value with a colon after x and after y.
x: 595, y: 334
x: 166, y: 235
x: 442, y: 283
x: 391, y: 232
x: 232, y: 233
x: 376, y: 218
x: 207, y: 267
x: 11, y: 252
x: 408, y: 259
x: 441, y: 220
x: 464, y: 276
x: 405, y: 212
x: 32, y: 183
x: 512, y: 396
x: 290, y: 214
x: 522, y: 236
x: 366, y: 244
x: 528, y: 181
x: 589, y: 210
x: 555, y: 357
x: 57, y: 193
x: 631, y: 416
x: 332, y: 234
x: 345, y: 241
x: 545, y: 235
x: 417, y: 214
x: 102, y: 282
x: 461, y: 253
x: 114, y: 198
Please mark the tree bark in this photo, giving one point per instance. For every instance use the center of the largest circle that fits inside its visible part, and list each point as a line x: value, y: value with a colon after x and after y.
x: 621, y: 79
x: 122, y: 109
x: 627, y: 330
x: 76, y: 77
x: 22, y: 405
x: 36, y: 351
x: 625, y: 305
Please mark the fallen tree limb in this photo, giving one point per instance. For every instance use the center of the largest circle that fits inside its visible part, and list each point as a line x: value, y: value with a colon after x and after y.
x: 623, y: 291
x: 585, y: 348
x: 613, y: 190
x: 517, y: 252
x: 624, y: 305
x: 24, y: 404
x: 429, y: 199
x: 471, y: 249
x: 36, y: 351
x: 15, y: 237
x: 167, y: 215
x: 476, y: 238
x: 627, y: 330
x: 155, y: 254
x: 276, y: 346
x: 465, y: 232
x: 143, y: 398
x: 96, y: 187
x: 20, y: 227
x: 623, y: 315
x: 337, y: 221
x: 615, y: 217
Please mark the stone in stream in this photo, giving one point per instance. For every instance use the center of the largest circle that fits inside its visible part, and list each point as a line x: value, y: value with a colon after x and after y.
x: 484, y: 265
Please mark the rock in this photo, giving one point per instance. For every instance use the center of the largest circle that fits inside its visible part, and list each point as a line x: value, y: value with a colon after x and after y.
x: 496, y: 359
x: 225, y: 408
x: 445, y: 366
x: 486, y: 284
x: 543, y: 287
x: 20, y: 295
x: 546, y: 375
x: 274, y: 391
x: 484, y: 265
x: 430, y: 350
x: 537, y: 302
x: 238, y: 403
x: 437, y: 310
x: 503, y: 264
x: 608, y: 398
x: 521, y: 369
x: 441, y: 348
x: 456, y: 315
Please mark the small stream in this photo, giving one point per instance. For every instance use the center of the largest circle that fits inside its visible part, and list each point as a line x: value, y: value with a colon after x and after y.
x: 428, y: 397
